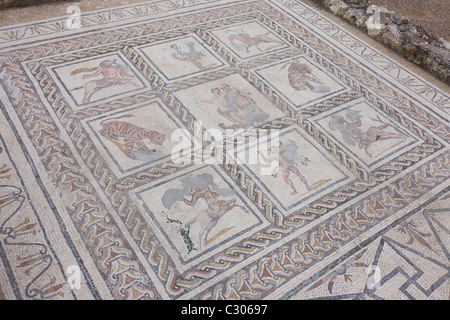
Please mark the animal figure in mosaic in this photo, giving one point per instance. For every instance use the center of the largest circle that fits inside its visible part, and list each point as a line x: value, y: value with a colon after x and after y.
x: 236, y: 105
x: 350, y: 127
x: 187, y: 53
x: 193, y: 188
x: 112, y: 73
x: 243, y: 40
x: 215, y: 210
x: 301, y: 78
x: 134, y: 137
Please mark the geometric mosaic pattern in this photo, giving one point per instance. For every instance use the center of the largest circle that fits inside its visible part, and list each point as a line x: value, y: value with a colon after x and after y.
x: 86, y: 176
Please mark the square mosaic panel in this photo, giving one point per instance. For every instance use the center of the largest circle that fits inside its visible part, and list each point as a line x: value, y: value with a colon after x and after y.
x: 91, y: 81
x: 301, y: 82
x: 134, y: 137
x: 366, y: 133
x: 181, y: 208
x: 181, y: 57
x: 249, y: 39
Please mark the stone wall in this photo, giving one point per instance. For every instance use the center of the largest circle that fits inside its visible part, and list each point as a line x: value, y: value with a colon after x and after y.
x: 430, y: 52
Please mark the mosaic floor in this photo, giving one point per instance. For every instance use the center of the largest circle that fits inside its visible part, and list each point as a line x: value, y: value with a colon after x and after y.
x: 136, y: 157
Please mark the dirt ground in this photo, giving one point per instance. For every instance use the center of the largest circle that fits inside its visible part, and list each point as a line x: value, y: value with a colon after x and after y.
x: 433, y: 15
x: 44, y: 11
